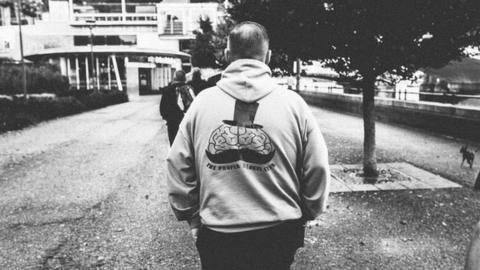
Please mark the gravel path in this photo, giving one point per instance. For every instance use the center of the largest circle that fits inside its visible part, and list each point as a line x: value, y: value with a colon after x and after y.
x: 88, y: 192
x: 423, y: 229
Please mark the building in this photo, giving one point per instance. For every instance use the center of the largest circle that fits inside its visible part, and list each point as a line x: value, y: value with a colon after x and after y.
x: 137, y: 44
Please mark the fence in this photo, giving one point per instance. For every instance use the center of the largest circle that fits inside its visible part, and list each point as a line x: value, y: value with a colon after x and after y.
x: 445, y: 119
x: 412, y: 95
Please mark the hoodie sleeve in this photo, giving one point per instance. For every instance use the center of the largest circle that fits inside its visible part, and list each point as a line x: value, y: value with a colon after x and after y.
x: 315, y: 179
x: 182, y: 182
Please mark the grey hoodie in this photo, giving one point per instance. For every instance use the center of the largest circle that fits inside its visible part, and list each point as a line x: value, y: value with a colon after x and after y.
x: 248, y: 155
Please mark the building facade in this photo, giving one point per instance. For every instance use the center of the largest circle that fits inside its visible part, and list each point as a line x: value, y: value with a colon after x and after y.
x: 137, y: 44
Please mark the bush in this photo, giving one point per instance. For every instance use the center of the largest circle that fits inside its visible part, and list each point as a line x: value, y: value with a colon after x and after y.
x: 78, y: 94
x: 46, y: 79
x: 48, y: 108
x: 104, y: 98
x: 97, y: 99
x: 16, y: 112
x: 40, y: 79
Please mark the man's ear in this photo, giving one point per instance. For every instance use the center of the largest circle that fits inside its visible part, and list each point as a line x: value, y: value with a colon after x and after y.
x: 268, y: 57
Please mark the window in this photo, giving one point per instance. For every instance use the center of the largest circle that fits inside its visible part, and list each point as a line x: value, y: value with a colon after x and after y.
x: 115, y: 6
x: 2, y: 10
x: 185, y: 45
x: 81, y: 40
x: 127, y: 40
x: 142, y: 6
x: 99, y: 40
x: 138, y: 59
x: 114, y: 40
x: 94, y: 6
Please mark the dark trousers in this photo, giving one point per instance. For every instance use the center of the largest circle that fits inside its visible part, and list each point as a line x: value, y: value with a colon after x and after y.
x: 266, y: 249
x: 172, y: 128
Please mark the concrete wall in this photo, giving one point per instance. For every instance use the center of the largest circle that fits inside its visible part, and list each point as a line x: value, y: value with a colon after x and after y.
x: 9, y: 42
x: 152, y: 40
x: 446, y: 119
x: 59, y: 11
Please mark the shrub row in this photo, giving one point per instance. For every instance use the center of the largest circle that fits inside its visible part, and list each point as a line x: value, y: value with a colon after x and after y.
x: 103, y: 98
x: 97, y: 99
x: 40, y: 79
x: 16, y: 112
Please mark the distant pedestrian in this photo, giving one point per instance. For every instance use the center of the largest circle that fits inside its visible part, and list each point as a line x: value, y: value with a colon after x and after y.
x: 251, y: 165
x: 176, y: 100
x: 197, y: 83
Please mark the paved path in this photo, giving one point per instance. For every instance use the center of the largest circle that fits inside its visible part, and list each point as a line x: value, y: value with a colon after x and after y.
x: 88, y: 191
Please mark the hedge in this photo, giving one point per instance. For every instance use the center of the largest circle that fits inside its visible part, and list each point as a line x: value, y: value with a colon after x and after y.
x: 16, y: 112
x: 40, y: 79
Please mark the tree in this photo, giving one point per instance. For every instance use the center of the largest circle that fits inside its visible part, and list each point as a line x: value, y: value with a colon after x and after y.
x: 41, y: 78
x: 220, y: 40
x: 203, y: 50
x: 209, y: 46
x: 363, y: 39
x: 28, y: 7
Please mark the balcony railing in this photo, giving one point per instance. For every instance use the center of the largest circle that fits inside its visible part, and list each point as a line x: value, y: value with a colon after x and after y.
x: 115, y: 18
x: 170, y: 18
x: 174, y: 28
x: 183, y: 19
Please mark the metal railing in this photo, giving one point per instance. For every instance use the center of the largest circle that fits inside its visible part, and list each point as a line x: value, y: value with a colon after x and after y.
x: 115, y: 18
x: 174, y: 28
x: 337, y: 89
x: 438, y: 94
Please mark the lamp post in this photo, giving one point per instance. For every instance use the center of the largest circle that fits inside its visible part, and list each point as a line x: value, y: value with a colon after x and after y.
x: 298, y: 64
x: 22, y: 60
x: 91, y: 23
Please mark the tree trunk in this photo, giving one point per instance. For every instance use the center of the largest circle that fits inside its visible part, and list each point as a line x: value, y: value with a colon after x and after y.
x: 369, y: 156
x: 477, y: 182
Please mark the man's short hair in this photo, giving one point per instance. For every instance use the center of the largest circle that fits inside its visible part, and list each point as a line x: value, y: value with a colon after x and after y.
x: 248, y: 40
x: 179, y: 76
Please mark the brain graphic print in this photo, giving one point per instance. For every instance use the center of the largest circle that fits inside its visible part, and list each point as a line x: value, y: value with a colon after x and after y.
x: 227, y: 137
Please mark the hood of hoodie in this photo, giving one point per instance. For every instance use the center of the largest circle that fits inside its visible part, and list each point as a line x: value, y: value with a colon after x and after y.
x: 247, y: 80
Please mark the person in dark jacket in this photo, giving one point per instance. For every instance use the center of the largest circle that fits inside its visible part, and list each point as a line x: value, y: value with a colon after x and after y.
x: 197, y: 83
x: 176, y: 99
x: 212, y: 81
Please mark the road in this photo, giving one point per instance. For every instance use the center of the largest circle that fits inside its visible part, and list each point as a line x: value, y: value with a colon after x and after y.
x: 88, y: 191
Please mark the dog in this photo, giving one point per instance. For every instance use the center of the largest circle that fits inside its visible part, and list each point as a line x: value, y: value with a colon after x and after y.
x: 467, y: 155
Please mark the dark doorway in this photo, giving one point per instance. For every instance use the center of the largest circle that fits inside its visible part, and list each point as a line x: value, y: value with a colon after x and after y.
x: 145, y: 80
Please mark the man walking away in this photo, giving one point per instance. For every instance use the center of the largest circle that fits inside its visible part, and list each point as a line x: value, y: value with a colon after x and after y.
x: 249, y: 165
x: 176, y: 100
x: 197, y: 83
